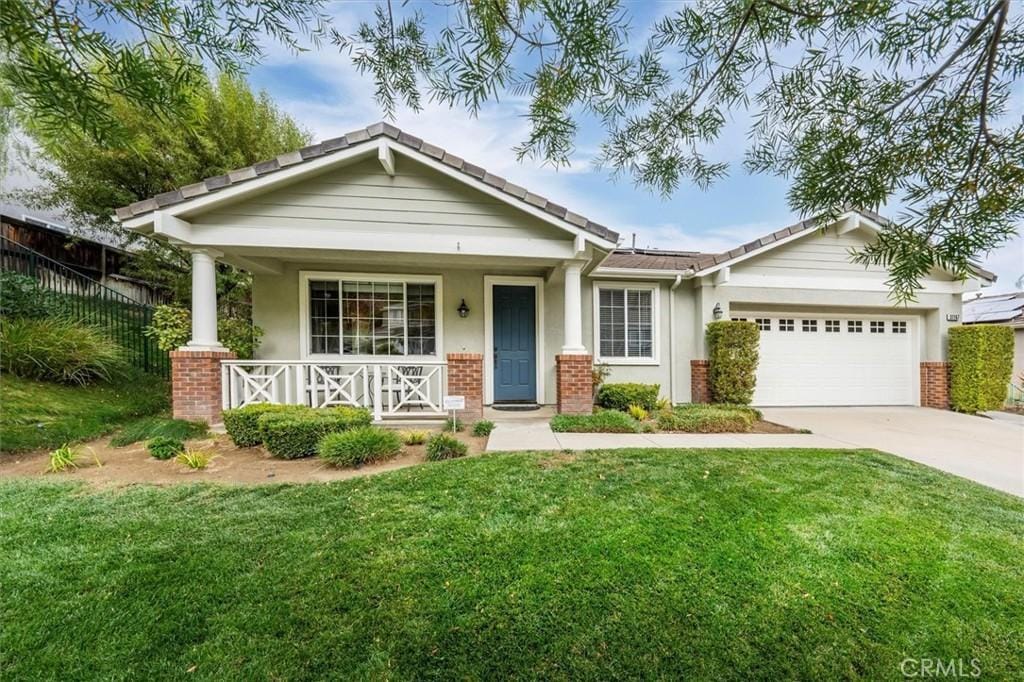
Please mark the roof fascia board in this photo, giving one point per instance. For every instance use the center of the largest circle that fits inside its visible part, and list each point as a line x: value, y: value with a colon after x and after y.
x: 639, y: 273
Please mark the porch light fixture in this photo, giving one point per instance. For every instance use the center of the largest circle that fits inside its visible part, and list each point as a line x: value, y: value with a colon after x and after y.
x: 463, y: 309
x: 717, y: 311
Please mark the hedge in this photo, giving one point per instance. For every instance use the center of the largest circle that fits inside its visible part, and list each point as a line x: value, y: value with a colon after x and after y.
x: 603, y: 421
x: 981, y: 363
x: 242, y: 423
x: 697, y: 418
x: 621, y: 396
x: 293, y: 434
x: 732, y: 361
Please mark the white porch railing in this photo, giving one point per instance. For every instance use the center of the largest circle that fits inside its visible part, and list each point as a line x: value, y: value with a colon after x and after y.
x: 391, y: 389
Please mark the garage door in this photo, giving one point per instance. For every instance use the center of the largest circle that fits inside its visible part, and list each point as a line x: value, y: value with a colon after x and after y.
x: 835, y: 360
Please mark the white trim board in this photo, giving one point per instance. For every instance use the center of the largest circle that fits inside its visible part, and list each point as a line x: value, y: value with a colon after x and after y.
x: 304, y: 339
x: 655, y: 287
x: 538, y: 285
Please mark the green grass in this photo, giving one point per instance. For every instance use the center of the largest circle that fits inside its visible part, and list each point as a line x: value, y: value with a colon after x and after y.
x: 38, y: 414
x: 714, y: 564
x: 147, y: 428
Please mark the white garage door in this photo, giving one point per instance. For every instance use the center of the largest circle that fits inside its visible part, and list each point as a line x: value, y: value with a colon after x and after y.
x: 835, y: 360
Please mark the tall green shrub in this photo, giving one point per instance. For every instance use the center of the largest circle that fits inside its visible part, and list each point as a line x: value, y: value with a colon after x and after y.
x: 22, y: 296
x: 981, y: 360
x: 732, y: 360
x: 172, y: 328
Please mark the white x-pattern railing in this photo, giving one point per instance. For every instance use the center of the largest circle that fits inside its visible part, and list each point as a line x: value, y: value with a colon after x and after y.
x: 392, y: 389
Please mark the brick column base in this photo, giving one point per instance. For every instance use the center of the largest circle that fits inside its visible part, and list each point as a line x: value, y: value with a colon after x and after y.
x: 700, y: 387
x: 575, y: 384
x: 466, y: 378
x: 195, y: 384
x: 935, y: 385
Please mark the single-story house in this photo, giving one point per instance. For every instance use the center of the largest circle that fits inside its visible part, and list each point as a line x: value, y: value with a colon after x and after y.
x: 1004, y: 309
x: 389, y: 272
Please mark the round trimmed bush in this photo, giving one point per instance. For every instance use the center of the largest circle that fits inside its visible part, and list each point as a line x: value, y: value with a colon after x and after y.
x: 359, y: 446
x: 445, y: 446
x: 621, y: 396
x: 164, y: 447
x: 60, y: 350
x: 242, y: 423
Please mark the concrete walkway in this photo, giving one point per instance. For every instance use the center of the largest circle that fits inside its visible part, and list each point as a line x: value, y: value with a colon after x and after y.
x: 989, y: 451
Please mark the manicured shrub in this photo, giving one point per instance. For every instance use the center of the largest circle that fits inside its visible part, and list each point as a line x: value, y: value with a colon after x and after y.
x: 699, y: 418
x: 445, y: 446
x: 621, y: 396
x: 455, y: 424
x: 732, y: 360
x: 604, y: 421
x: 59, y: 350
x: 164, y: 447
x: 242, y: 423
x: 483, y: 427
x: 981, y: 363
x: 359, y: 446
x: 414, y: 437
x: 292, y: 434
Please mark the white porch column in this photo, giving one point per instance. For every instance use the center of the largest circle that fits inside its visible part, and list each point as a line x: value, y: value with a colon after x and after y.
x: 204, y: 301
x: 573, y: 308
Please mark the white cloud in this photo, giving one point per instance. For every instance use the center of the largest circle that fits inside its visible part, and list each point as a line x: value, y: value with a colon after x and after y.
x: 677, y: 237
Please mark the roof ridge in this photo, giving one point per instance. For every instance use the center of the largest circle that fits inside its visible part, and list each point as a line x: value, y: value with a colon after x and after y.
x: 335, y: 144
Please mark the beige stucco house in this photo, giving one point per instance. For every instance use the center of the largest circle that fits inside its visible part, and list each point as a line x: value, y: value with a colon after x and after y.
x: 388, y: 273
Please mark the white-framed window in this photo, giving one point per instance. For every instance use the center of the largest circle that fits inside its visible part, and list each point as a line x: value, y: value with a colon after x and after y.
x: 809, y: 325
x: 832, y: 326
x: 877, y: 327
x: 854, y: 326
x: 363, y: 315
x: 899, y: 327
x: 626, y: 322
x: 785, y: 325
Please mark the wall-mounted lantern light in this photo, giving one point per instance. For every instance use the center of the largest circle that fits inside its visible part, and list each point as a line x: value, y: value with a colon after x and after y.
x: 717, y: 311
x: 463, y: 309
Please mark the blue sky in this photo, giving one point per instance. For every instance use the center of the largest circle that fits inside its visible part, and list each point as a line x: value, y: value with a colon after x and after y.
x: 325, y: 94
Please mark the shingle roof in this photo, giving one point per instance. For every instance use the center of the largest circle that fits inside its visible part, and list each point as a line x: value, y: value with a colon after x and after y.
x: 327, y: 147
x: 710, y: 261
x: 652, y: 259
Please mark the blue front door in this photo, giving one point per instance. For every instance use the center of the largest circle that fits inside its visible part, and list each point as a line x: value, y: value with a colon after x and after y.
x: 515, y: 344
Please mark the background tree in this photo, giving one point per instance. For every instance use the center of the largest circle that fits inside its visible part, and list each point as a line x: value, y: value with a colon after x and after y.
x: 858, y: 102
x: 226, y: 126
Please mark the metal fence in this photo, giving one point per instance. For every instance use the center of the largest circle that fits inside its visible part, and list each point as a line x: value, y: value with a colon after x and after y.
x: 81, y: 298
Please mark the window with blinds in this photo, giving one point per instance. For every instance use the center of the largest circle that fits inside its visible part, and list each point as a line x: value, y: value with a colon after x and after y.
x: 626, y: 323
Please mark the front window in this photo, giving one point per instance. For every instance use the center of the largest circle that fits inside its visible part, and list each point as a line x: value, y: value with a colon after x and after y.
x: 371, y: 317
x: 626, y: 323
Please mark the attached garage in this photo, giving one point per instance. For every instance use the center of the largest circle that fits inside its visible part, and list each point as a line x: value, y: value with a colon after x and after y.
x: 832, y: 359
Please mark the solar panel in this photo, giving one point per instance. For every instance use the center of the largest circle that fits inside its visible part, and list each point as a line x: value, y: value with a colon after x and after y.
x: 994, y: 308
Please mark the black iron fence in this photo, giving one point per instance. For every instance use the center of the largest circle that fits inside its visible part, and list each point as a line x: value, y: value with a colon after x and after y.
x: 71, y: 293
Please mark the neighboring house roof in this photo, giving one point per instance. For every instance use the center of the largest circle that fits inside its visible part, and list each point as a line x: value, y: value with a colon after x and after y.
x: 337, y: 144
x: 996, y: 309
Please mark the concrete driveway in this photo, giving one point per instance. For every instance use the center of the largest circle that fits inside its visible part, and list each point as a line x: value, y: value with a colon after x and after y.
x: 988, y: 451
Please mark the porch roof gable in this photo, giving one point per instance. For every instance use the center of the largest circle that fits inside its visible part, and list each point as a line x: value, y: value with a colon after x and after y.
x: 141, y: 212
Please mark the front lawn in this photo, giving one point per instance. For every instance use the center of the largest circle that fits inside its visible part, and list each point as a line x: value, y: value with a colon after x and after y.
x: 717, y: 564
x: 40, y: 414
